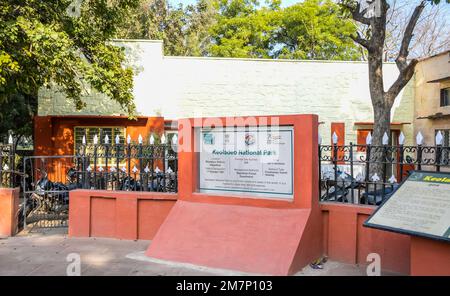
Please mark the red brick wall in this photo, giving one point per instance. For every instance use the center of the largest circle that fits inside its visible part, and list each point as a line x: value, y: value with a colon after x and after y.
x: 116, y: 214
x: 346, y: 240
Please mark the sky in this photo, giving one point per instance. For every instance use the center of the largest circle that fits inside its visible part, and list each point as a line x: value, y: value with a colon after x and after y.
x: 176, y: 2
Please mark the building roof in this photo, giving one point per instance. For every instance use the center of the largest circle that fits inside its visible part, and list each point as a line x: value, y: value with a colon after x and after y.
x: 435, y: 55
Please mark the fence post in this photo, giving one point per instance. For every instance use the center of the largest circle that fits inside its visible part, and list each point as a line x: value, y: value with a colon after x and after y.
x: 141, y: 166
x: 95, y: 165
x: 320, y: 170
x: 152, y: 156
x: 335, y: 150
x: 129, y: 161
x: 351, y: 172
x: 438, y: 157
x: 419, y: 157
x: 176, y: 169
x: 164, y: 146
x: 117, y: 147
x: 106, y: 145
x: 12, y: 155
x: 368, y: 148
x: 401, y: 156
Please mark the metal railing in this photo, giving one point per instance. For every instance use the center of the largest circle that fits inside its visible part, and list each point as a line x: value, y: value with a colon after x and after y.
x: 368, y: 174
x: 128, y: 167
x: 8, y: 173
x: 120, y: 167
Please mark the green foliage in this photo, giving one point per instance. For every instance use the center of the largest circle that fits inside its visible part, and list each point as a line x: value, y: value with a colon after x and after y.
x: 244, y: 30
x: 41, y: 45
x: 184, y: 30
x: 313, y: 29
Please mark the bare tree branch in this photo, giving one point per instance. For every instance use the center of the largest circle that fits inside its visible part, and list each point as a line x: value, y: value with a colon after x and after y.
x: 361, y: 41
x: 402, y: 57
x: 358, y: 15
x: 402, y: 80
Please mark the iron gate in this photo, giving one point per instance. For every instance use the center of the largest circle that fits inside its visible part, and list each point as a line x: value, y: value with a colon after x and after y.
x: 45, y: 186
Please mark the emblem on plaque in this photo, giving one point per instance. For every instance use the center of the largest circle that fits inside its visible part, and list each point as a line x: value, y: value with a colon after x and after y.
x: 208, y: 139
x: 249, y: 139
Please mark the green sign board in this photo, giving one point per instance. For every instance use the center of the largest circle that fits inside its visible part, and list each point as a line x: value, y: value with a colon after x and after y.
x: 420, y: 206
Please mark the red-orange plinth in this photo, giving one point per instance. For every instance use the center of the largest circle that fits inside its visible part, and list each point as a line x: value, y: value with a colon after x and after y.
x: 9, y: 207
x: 257, y: 235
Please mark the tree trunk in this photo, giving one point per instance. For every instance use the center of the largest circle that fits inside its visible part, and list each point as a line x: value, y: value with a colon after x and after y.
x: 382, y: 101
x: 382, y: 113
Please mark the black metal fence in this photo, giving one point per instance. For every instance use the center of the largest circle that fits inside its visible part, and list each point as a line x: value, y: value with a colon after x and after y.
x: 121, y: 167
x: 8, y: 172
x: 129, y: 167
x: 348, y: 174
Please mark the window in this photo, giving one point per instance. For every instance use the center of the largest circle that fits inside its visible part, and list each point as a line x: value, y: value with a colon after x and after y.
x: 445, y: 97
x: 101, y: 132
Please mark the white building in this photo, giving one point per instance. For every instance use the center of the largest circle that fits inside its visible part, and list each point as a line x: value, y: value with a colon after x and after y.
x: 178, y: 87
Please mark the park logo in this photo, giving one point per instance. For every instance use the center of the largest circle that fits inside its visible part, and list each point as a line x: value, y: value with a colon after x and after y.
x: 249, y: 139
x: 208, y: 139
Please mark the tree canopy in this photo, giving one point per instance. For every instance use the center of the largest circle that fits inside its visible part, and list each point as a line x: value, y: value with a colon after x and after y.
x: 66, y: 44
x: 184, y: 30
x: 313, y: 29
x: 63, y: 43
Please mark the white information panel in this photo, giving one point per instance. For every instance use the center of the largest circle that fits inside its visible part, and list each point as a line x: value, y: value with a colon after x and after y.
x: 255, y: 161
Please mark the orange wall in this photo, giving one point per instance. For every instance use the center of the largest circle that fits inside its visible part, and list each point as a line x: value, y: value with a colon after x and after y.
x: 9, y: 206
x: 429, y: 257
x: 55, y: 135
x: 116, y: 214
x: 346, y: 240
x: 139, y: 215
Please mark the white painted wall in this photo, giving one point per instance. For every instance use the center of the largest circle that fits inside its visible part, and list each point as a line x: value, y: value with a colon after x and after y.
x: 177, y: 87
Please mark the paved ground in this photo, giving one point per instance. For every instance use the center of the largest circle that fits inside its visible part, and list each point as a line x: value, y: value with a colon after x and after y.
x: 45, y: 254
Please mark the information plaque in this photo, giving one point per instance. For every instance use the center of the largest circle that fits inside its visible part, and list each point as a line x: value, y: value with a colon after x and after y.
x: 420, y: 206
x: 255, y: 161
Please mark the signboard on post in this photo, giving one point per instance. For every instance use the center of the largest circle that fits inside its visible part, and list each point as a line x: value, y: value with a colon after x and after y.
x: 254, y: 161
x: 420, y: 207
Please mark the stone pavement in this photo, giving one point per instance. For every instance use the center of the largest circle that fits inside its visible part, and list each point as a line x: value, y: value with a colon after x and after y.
x: 45, y: 254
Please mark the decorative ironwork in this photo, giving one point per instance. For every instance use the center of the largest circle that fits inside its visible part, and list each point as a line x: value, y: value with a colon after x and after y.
x: 8, y: 172
x: 119, y: 167
x: 345, y: 169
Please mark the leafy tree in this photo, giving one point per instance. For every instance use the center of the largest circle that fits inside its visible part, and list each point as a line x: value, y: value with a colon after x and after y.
x: 64, y: 44
x: 184, y: 30
x: 243, y: 29
x: 200, y: 18
x: 374, y: 42
x: 315, y: 29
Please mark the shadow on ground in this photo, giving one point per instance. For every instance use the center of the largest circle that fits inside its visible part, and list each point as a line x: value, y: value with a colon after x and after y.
x: 46, y: 254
